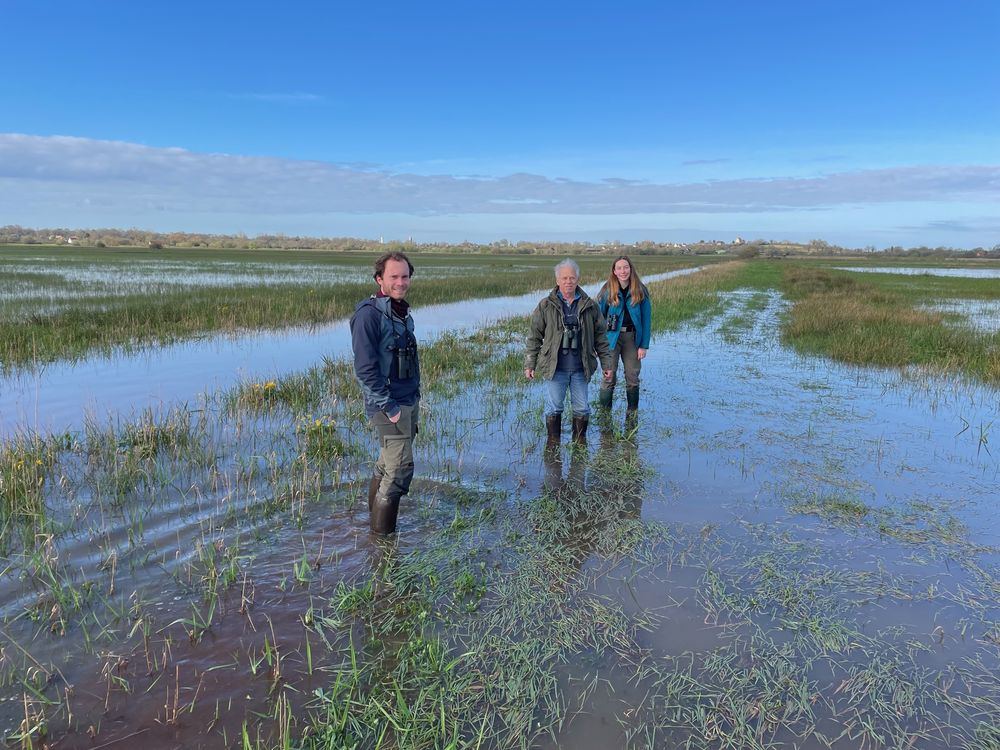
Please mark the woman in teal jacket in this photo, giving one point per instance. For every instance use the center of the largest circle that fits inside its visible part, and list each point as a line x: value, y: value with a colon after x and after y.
x: 624, y: 303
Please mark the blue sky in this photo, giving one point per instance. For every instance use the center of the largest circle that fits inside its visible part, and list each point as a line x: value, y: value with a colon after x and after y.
x: 856, y: 122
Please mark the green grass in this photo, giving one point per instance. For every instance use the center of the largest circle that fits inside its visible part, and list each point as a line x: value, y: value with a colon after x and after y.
x: 864, y: 322
x: 25, y: 469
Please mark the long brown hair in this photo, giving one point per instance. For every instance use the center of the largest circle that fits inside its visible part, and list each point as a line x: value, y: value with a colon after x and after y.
x: 635, y: 287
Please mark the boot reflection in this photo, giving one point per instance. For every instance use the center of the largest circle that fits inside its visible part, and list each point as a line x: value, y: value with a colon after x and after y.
x: 617, y: 471
x: 597, y: 498
x: 552, y: 462
x: 574, y: 483
x: 383, y: 556
x: 632, y: 489
x: 631, y: 427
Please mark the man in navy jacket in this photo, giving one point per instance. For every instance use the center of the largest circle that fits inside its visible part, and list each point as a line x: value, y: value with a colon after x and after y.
x: 387, y: 367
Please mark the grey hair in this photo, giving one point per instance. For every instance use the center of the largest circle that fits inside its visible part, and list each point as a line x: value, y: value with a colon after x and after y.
x: 571, y: 263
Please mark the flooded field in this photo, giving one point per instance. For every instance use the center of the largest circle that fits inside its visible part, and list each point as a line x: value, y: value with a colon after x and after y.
x: 60, y: 304
x: 781, y: 551
x: 962, y: 273
x: 64, y: 395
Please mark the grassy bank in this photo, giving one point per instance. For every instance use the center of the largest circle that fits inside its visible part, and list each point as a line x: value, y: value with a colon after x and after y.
x: 879, y: 321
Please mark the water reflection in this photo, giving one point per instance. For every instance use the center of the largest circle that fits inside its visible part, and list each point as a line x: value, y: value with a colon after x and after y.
x: 967, y: 273
x: 981, y: 315
x: 60, y: 278
x: 594, y: 495
x: 743, y: 453
x: 63, y: 395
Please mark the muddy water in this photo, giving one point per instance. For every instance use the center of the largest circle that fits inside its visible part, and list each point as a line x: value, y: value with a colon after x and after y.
x: 62, y: 396
x: 737, y: 437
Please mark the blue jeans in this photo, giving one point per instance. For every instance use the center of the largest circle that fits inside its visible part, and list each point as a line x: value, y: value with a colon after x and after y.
x: 555, y: 393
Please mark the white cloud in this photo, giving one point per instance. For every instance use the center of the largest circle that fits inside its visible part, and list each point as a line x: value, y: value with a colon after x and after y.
x: 64, y: 178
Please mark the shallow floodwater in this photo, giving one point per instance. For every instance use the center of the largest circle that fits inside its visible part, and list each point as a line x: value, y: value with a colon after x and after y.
x: 61, y: 396
x: 981, y: 315
x: 965, y: 273
x: 748, y: 454
x: 41, y: 276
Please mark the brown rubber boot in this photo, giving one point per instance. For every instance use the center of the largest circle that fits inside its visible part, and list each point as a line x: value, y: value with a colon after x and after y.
x: 580, y: 430
x: 553, y: 426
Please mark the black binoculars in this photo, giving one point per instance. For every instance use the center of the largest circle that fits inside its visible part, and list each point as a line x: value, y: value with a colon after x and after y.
x: 570, y: 337
x: 404, y: 358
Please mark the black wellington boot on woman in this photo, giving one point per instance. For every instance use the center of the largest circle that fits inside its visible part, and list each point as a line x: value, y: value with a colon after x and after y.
x: 632, y: 398
x: 604, y: 397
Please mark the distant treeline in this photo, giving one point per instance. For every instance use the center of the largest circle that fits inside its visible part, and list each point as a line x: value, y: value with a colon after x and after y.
x: 14, y: 234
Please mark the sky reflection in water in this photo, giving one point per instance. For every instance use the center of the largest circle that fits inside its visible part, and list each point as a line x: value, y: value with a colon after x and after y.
x: 965, y: 273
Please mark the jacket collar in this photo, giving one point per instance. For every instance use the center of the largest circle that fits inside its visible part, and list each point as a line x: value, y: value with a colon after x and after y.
x: 581, y: 297
x: 399, y: 307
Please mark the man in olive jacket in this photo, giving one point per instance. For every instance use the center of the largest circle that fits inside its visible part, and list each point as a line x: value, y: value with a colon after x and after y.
x: 566, y: 338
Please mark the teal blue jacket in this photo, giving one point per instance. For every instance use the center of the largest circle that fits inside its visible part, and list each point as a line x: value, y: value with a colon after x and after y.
x: 641, y: 315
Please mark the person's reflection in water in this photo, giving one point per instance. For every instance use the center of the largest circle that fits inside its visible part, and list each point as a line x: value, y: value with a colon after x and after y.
x: 598, y: 500
x: 621, y: 472
x: 574, y: 483
x: 631, y: 428
x: 383, y: 556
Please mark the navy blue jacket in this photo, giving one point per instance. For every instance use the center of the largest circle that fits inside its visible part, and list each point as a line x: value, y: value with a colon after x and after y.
x: 377, y: 335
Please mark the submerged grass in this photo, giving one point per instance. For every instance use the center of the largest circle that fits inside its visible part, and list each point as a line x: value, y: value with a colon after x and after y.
x: 464, y: 641
x: 26, y: 464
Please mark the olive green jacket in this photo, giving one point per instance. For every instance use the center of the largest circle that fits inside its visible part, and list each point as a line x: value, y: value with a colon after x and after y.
x: 545, y: 335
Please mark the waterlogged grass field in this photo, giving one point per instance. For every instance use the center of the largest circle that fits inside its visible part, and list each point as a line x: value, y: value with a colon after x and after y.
x: 793, y: 546
x: 63, y: 303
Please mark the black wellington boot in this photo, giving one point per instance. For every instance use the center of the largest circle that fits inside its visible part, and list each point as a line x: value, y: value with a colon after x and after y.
x: 580, y: 430
x: 553, y: 426
x: 632, y: 398
x: 604, y: 398
x: 373, y: 484
x: 383, y: 515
